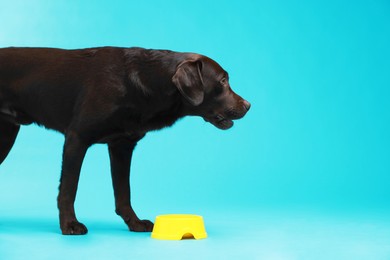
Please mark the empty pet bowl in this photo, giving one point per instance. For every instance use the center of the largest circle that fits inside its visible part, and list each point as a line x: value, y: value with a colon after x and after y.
x: 179, y: 226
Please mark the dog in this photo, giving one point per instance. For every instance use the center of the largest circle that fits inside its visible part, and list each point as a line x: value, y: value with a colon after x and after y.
x: 108, y: 95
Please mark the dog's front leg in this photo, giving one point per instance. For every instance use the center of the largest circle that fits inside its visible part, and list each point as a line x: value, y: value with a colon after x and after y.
x: 73, y: 156
x: 120, y: 157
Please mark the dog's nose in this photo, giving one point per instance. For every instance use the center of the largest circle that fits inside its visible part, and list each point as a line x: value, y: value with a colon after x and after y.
x: 247, y: 105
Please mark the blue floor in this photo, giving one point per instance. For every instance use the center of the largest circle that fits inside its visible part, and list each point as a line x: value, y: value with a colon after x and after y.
x: 246, y: 234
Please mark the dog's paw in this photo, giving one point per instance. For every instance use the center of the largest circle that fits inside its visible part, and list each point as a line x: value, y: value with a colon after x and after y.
x: 141, y: 226
x: 74, y: 228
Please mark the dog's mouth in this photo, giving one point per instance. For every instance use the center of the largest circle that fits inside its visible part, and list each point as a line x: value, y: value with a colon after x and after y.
x: 220, y: 122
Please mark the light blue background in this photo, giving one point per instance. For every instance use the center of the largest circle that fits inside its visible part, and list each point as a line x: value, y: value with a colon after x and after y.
x: 305, y: 175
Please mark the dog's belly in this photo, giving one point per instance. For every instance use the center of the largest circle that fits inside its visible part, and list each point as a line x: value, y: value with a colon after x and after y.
x: 15, y: 116
x: 115, y: 136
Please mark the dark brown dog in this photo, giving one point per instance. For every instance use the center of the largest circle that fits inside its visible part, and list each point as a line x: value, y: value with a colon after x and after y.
x: 108, y: 95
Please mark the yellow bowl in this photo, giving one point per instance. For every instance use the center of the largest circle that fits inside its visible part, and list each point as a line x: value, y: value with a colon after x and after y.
x: 179, y: 226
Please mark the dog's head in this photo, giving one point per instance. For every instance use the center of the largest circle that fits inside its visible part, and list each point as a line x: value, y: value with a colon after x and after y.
x: 204, y: 84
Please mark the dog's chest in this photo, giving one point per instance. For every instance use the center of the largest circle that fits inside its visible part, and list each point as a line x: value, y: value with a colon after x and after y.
x: 145, y: 120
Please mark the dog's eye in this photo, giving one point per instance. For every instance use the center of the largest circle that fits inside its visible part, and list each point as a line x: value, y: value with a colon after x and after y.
x: 223, y: 81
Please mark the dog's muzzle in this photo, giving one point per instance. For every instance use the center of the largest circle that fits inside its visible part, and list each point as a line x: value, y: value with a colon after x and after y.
x: 224, y: 120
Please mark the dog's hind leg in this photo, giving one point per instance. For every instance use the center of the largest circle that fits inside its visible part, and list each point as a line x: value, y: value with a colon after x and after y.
x: 8, y: 133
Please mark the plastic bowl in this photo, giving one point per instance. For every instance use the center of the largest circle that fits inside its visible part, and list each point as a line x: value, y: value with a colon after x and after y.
x: 179, y: 226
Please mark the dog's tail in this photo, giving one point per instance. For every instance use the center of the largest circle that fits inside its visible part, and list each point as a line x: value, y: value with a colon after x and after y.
x: 8, y: 133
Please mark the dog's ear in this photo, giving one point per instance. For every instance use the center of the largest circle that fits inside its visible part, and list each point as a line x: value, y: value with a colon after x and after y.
x: 188, y: 79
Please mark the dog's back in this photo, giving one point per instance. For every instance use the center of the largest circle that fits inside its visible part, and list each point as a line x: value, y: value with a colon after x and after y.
x: 35, y: 81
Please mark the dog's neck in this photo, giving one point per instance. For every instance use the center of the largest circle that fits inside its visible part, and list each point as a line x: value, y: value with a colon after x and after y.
x: 150, y: 82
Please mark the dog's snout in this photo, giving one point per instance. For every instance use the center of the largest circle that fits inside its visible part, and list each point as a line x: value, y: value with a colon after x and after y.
x: 247, y: 105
